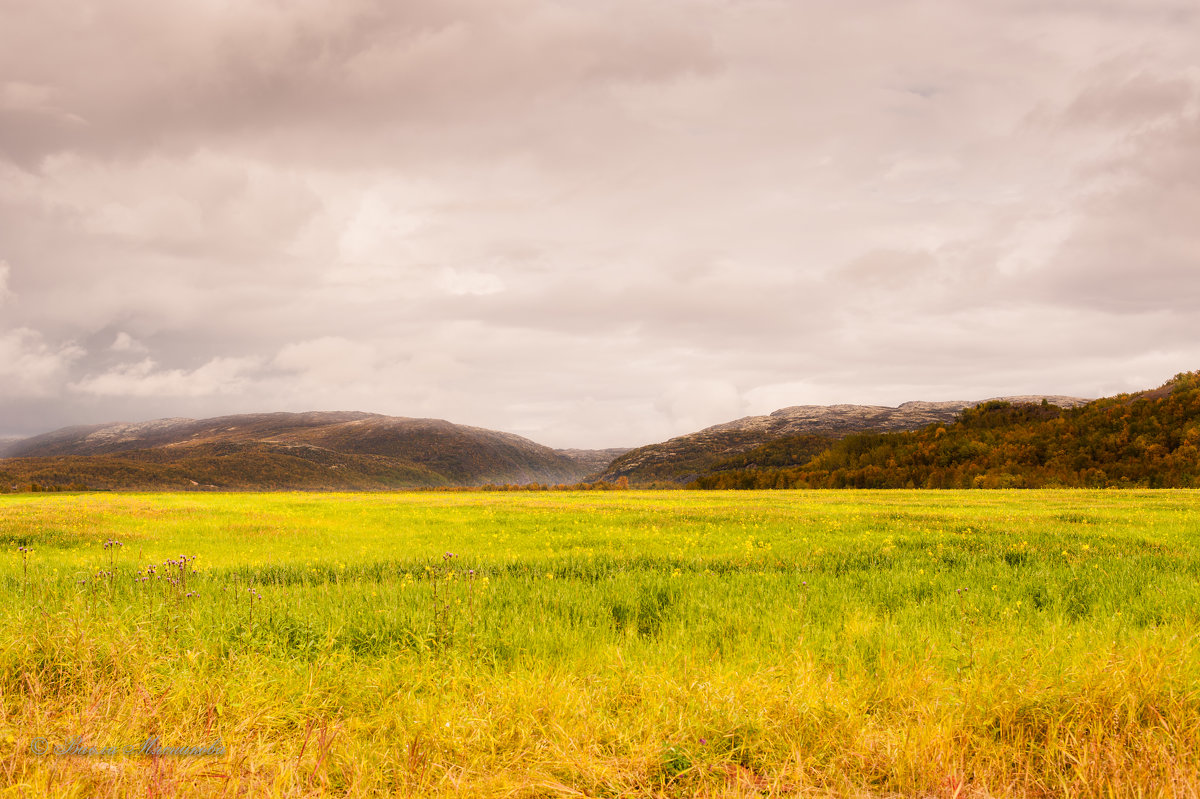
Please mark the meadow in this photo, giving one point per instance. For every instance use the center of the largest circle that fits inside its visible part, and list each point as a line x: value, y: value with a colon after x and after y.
x: 608, y: 644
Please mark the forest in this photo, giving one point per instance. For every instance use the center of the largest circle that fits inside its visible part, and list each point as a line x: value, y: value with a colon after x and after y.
x: 1150, y: 439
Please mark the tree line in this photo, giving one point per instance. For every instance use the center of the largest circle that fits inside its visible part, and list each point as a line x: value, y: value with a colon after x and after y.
x: 1150, y: 439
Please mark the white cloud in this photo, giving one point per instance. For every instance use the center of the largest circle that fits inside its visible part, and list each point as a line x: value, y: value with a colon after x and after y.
x: 763, y: 399
x: 380, y: 228
x: 329, y: 361
x: 123, y: 342
x: 145, y: 379
x: 470, y: 282
x: 29, y: 367
x: 693, y: 404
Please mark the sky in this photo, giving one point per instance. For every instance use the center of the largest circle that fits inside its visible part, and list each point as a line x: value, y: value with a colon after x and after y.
x: 594, y: 223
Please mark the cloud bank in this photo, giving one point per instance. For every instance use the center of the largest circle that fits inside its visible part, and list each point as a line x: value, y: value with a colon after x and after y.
x: 595, y: 224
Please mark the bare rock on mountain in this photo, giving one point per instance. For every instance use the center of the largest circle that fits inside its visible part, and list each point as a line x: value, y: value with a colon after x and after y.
x: 683, y: 458
x: 594, y: 460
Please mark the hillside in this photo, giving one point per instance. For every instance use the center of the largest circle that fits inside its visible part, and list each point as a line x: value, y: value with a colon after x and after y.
x: 1149, y: 439
x: 594, y: 460
x: 286, y: 450
x: 688, y: 457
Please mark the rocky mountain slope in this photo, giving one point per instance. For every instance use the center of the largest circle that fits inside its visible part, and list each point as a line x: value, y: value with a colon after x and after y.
x: 594, y: 460
x: 285, y: 450
x: 353, y: 450
x: 1148, y: 439
x: 683, y: 458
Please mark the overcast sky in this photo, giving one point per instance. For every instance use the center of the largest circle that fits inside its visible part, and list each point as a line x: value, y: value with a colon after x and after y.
x: 591, y: 222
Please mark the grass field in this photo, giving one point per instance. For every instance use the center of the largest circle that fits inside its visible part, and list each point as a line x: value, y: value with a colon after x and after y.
x: 949, y: 644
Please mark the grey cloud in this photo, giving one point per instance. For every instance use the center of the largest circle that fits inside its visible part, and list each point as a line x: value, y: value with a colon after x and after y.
x: 1137, y: 98
x: 890, y: 269
x: 162, y: 78
x: 1137, y: 247
x: 592, y: 223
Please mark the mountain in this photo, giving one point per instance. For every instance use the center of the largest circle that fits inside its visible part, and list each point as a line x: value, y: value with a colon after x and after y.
x: 1148, y: 439
x: 594, y: 460
x: 687, y: 457
x: 287, y: 450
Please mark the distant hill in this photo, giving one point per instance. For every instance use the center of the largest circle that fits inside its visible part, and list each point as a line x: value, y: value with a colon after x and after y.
x: 1151, y: 438
x: 762, y: 466
x: 287, y: 450
x: 1148, y: 439
x: 688, y: 457
x: 594, y: 460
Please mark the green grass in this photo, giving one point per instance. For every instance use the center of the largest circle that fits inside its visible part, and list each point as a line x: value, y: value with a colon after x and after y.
x: 606, y: 644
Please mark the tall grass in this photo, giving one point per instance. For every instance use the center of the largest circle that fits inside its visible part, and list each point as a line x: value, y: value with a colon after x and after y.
x: 623, y: 644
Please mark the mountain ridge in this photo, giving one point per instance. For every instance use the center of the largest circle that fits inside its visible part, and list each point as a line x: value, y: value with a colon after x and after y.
x: 1148, y: 439
x: 686, y: 457
x: 361, y: 450
x: 353, y: 448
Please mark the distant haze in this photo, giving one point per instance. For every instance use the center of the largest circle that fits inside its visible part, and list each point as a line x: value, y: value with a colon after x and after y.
x: 595, y: 223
